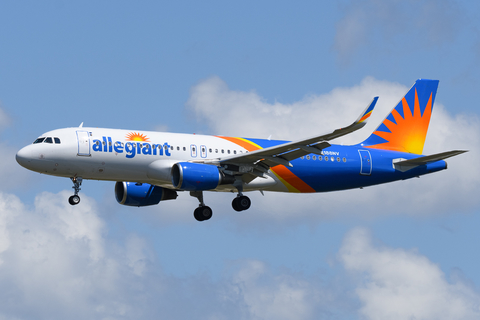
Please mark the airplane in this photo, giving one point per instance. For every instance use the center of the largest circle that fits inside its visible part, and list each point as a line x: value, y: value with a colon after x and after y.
x: 149, y: 167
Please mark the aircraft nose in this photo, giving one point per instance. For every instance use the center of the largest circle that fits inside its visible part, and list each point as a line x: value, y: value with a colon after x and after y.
x: 24, y: 156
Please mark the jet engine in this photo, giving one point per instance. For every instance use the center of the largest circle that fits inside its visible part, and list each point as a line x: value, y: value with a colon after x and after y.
x: 141, y: 194
x: 198, y: 176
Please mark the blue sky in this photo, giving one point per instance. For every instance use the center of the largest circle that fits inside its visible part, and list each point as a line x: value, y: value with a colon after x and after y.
x: 250, y: 69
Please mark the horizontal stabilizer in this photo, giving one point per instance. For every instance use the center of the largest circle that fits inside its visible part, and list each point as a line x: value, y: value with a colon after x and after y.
x: 405, y: 165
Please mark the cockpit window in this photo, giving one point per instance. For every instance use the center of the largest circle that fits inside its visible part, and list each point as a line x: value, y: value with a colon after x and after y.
x: 39, y: 140
x: 57, y: 140
x: 48, y: 140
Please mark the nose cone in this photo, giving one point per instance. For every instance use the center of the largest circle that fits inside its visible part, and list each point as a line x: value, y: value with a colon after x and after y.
x: 24, y: 156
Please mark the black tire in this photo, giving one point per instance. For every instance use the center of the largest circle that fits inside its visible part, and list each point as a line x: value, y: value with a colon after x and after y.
x: 236, y: 205
x: 203, y: 213
x: 244, y: 202
x: 74, y: 200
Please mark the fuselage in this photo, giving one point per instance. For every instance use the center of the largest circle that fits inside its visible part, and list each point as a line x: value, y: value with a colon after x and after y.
x: 147, y: 157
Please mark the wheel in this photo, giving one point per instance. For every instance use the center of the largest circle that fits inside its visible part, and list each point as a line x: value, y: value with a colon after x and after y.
x: 203, y: 213
x: 241, y: 203
x: 235, y: 204
x: 244, y: 202
x: 73, y: 200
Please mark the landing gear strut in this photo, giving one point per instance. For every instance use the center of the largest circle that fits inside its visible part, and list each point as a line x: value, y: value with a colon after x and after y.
x: 75, y: 199
x: 203, y: 212
x: 241, y: 202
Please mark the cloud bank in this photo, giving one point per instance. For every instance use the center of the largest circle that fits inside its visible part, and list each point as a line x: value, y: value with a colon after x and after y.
x: 57, y: 262
x: 401, y: 284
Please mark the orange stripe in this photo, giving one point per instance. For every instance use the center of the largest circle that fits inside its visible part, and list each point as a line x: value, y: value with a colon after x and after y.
x: 292, y: 179
x: 365, y: 117
x: 241, y: 142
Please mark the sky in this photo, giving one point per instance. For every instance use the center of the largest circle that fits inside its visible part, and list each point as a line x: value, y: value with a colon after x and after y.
x: 289, y: 70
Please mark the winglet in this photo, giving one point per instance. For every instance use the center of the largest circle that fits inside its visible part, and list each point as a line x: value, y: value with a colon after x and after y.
x: 81, y: 125
x: 368, y: 112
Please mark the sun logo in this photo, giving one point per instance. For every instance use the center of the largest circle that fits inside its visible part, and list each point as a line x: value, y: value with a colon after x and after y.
x: 134, y: 136
x: 406, y: 133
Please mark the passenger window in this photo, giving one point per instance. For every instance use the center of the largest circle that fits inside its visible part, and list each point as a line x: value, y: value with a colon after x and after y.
x: 210, y: 150
x: 39, y: 140
x: 57, y: 140
x: 223, y: 151
x: 48, y: 140
x: 308, y: 157
x: 326, y: 158
x: 344, y: 159
x: 314, y: 157
x: 234, y: 151
x: 184, y: 149
x: 171, y: 148
x: 216, y: 150
x: 178, y: 148
x: 320, y: 158
x: 338, y: 159
x: 228, y: 151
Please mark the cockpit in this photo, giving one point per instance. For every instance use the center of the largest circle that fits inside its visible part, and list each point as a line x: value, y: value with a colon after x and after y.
x: 47, y: 140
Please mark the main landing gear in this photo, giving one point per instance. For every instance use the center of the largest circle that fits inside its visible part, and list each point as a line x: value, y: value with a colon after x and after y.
x: 241, y: 202
x: 203, y: 212
x: 75, y: 199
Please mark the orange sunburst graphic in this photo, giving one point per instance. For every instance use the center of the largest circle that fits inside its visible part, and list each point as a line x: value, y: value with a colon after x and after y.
x: 134, y: 136
x: 409, y: 132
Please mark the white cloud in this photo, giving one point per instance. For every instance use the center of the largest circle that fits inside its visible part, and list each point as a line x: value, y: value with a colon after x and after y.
x: 247, y: 114
x: 401, y: 284
x: 395, y: 26
x: 4, y: 118
x: 57, y: 262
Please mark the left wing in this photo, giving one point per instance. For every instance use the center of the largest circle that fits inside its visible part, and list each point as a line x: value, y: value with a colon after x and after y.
x: 284, y: 153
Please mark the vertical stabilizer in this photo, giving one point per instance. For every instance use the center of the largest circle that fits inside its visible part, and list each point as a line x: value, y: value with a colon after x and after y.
x: 405, y: 128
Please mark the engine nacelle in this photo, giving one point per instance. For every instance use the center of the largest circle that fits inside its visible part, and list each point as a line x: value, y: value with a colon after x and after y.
x: 141, y: 194
x: 198, y: 176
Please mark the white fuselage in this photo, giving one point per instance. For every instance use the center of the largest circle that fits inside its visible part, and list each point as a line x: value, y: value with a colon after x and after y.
x: 122, y: 155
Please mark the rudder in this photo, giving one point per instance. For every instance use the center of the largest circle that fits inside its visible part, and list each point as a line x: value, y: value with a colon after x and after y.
x: 405, y: 128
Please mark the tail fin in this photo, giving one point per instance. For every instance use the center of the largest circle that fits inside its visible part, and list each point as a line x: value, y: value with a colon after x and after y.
x: 405, y: 128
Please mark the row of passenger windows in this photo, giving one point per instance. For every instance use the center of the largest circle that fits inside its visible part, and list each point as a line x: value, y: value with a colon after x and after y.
x: 193, y: 149
x: 326, y: 158
x: 47, y: 140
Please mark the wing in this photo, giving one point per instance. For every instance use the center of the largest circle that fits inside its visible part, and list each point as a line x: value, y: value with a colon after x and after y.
x: 259, y: 161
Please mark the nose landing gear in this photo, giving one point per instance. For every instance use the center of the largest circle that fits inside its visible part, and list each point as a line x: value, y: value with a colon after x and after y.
x: 75, y: 199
